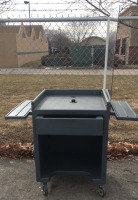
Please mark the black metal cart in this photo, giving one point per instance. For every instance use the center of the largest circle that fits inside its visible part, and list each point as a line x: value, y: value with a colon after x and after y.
x: 71, y: 132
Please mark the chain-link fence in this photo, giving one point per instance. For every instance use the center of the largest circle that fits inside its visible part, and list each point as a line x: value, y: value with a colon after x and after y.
x: 67, y: 46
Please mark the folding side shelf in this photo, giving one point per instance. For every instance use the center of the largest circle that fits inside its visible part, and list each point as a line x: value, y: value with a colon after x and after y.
x: 123, y: 111
x: 21, y: 111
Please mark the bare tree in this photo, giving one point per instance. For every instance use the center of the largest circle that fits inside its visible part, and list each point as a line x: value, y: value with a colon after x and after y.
x: 80, y: 30
x: 58, y: 39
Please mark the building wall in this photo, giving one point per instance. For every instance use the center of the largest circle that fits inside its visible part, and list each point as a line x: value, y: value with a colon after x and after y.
x: 134, y: 34
x: 29, y: 49
x: 133, y: 55
x: 93, y: 41
x: 8, y: 56
x: 125, y: 31
x: 131, y: 35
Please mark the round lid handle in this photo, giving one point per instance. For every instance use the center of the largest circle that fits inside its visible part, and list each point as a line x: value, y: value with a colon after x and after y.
x: 73, y: 101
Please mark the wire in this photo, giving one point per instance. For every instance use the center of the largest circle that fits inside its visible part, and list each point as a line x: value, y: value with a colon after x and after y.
x: 44, y: 3
x: 49, y: 10
x: 67, y: 8
x: 58, y: 3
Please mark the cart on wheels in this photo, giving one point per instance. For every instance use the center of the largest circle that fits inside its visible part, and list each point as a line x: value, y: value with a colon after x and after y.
x: 71, y: 132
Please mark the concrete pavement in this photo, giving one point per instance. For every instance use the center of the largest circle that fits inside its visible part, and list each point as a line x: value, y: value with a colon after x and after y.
x: 17, y: 182
x: 60, y: 71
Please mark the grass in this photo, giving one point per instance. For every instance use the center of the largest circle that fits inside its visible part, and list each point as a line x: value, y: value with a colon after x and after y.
x: 16, y: 88
x: 130, y: 66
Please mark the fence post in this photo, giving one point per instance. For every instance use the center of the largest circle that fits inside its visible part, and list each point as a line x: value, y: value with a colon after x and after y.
x: 106, y: 53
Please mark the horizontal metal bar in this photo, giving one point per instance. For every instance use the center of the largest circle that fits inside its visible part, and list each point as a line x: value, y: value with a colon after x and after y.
x: 54, y: 19
x: 123, y: 18
x: 68, y: 19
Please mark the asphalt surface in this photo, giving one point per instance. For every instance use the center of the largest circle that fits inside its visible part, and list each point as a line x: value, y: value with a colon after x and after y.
x: 17, y: 182
x: 60, y: 71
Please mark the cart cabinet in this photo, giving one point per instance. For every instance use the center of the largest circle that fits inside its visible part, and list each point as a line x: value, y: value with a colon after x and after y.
x: 70, y: 130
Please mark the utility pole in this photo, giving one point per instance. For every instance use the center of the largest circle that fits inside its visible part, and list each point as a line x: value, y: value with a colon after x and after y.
x: 28, y: 2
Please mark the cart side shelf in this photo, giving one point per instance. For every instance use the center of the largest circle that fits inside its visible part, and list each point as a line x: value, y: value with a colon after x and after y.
x: 123, y: 111
x: 21, y: 111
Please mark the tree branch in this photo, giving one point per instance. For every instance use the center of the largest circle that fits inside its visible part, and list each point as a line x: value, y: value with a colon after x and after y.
x: 107, y: 14
x: 133, y: 2
x: 4, y: 2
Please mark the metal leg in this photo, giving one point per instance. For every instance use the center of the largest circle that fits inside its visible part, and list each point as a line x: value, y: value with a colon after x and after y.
x: 44, y: 189
x: 101, y: 190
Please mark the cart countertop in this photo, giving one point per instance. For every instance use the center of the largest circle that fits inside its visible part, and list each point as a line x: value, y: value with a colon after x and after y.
x: 72, y: 102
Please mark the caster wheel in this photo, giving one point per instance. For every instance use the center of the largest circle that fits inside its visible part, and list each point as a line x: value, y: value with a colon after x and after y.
x: 44, y: 189
x: 101, y: 191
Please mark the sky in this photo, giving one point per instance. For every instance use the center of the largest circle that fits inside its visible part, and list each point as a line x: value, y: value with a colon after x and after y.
x: 54, y: 8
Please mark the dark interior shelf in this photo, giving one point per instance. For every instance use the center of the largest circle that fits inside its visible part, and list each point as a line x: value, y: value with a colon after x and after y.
x: 79, y: 155
x: 74, y: 163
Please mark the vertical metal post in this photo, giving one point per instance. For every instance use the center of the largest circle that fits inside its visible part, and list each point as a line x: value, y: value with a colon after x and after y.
x: 106, y: 53
x: 29, y: 17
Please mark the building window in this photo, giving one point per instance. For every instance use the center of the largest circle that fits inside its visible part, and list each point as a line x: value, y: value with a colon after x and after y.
x: 123, y: 49
x: 117, y: 46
